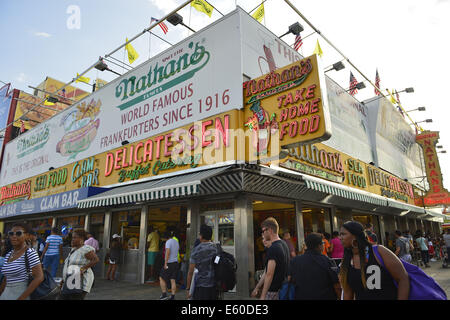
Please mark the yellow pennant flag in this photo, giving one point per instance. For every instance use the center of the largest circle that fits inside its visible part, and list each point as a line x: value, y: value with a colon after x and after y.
x: 48, y: 103
x: 132, y: 54
x: 202, y: 6
x: 83, y: 79
x: 318, y: 50
x: 392, y: 99
x: 259, y: 13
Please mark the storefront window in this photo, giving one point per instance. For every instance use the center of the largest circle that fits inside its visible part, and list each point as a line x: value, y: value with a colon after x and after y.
x: 284, y: 213
x: 226, y: 229
x: 127, y: 225
x: 314, y: 219
x: 42, y: 227
x: 165, y: 219
x: 66, y: 225
x: 340, y: 216
x: 368, y: 218
x: 96, y: 227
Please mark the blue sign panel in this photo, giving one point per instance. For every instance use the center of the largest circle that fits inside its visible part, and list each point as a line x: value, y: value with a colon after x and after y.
x: 60, y: 201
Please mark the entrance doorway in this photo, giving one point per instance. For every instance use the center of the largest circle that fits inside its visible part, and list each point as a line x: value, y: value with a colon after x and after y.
x: 284, y: 213
x: 162, y: 221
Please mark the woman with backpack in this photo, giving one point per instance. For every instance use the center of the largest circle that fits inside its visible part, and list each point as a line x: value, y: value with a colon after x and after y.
x: 402, y: 247
x: 362, y: 275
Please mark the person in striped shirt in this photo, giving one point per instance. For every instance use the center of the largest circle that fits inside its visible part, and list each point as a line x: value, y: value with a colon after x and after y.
x: 15, y: 284
x: 52, y: 254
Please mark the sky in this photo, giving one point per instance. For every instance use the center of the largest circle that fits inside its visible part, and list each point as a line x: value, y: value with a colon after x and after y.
x: 404, y: 39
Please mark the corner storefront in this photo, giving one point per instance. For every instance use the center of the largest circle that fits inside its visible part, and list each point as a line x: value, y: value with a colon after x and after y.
x: 201, y: 153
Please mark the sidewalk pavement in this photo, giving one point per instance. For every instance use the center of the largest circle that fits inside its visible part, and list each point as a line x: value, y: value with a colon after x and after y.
x: 121, y: 290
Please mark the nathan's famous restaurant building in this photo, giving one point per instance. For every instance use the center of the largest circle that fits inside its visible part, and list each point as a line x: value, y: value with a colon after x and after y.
x: 225, y: 132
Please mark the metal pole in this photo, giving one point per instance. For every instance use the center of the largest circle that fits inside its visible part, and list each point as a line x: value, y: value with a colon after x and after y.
x: 149, y: 28
x: 52, y: 93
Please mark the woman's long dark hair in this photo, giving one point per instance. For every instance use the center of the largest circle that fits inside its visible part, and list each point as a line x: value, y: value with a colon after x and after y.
x: 357, y: 230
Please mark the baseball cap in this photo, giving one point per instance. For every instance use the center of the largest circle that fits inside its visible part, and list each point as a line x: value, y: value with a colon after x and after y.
x: 115, y: 236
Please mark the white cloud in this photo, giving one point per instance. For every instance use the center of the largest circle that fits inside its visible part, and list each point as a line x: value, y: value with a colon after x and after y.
x: 42, y: 34
x: 22, y: 77
x: 165, y: 6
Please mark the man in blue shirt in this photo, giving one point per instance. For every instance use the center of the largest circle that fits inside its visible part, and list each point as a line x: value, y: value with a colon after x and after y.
x: 52, y: 253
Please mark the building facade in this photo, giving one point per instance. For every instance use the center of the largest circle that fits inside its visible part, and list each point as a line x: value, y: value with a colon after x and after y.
x: 165, y: 145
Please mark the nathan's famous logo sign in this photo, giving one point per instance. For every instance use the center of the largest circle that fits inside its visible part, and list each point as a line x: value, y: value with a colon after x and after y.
x: 204, y: 142
x: 80, y: 127
x: 31, y: 143
x: 289, y: 105
x: 156, y: 78
x: 437, y: 194
x: 327, y: 163
x: 15, y: 192
x: 316, y: 161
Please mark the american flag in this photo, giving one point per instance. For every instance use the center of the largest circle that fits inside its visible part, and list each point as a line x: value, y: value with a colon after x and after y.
x: 377, y: 83
x: 401, y: 111
x: 298, y: 42
x: 353, y: 83
x: 162, y: 25
x: 397, y: 96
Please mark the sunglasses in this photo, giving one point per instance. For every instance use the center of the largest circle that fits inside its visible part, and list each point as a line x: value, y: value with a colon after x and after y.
x: 17, y: 233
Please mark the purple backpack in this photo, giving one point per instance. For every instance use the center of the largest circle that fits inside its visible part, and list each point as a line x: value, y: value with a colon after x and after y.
x: 421, y: 285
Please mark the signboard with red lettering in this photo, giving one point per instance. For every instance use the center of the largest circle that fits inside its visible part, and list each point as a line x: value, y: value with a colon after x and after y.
x: 287, y: 107
x: 437, y: 194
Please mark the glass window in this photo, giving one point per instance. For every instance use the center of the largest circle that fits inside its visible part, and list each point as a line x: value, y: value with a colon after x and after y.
x: 66, y: 225
x: 209, y: 220
x: 42, y: 227
x: 226, y: 229
x: 127, y: 225
x: 96, y: 227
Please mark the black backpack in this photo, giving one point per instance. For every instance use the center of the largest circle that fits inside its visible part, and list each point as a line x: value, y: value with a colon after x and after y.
x: 224, y: 270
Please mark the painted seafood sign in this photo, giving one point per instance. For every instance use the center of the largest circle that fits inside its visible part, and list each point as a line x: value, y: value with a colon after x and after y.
x: 80, y: 127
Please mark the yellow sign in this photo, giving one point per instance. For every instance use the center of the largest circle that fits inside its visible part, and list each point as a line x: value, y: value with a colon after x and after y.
x: 286, y: 108
x: 70, y: 92
x: 32, y: 114
x: 203, y: 143
x: 325, y: 162
x: 437, y: 194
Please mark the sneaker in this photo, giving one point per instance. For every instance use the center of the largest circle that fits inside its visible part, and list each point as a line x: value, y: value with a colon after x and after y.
x: 164, y: 296
x: 172, y: 297
x: 151, y: 280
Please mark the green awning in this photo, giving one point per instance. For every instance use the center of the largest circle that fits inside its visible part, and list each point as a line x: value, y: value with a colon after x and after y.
x: 176, y: 186
x: 342, y: 191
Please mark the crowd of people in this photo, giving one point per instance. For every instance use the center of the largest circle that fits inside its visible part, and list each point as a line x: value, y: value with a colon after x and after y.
x: 348, y: 265
x: 342, y: 265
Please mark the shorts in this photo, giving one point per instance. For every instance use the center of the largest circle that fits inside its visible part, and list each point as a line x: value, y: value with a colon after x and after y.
x: 112, y: 261
x: 169, y: 273
x: 151, y: 257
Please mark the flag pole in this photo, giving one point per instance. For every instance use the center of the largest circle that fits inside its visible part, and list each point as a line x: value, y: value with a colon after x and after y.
x: 257, y: 7
x: 334, y: 47
x: 214, y: 8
